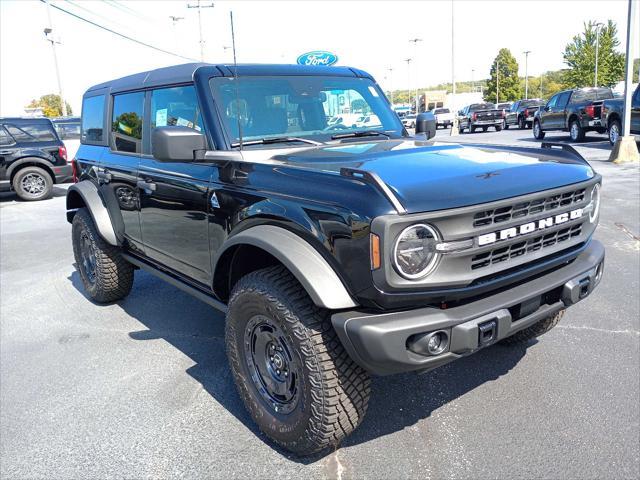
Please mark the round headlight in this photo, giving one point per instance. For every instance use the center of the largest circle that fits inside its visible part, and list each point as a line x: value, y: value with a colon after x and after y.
x: 595, y: 203
x: 414, y: 254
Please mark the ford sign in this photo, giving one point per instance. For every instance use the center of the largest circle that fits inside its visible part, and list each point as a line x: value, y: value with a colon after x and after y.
x: 317, y: 58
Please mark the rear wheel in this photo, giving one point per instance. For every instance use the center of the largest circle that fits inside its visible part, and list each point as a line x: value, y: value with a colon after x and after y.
x: 484, y: 129
x: 614, y: 131
x: 534, y: 331
x: 498, y: 127
x: 576, y: 132
x: 538, y: 133
x: 505, y: 125
x: 299, y: 384
x: 106, y: 276
x: 32, y: 183
x: 521, y: 123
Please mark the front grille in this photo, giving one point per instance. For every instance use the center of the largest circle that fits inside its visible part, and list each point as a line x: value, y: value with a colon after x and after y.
x: 498, y: 255
x: 524, y: 209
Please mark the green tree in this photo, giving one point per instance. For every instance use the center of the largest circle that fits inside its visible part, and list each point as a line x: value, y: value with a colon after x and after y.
x: 359, y: 105
x: 504, y: 75
x: 580, y: 56
x: 51, y: 105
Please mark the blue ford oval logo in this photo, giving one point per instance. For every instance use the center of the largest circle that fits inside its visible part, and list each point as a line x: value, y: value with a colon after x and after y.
x: 317, y: 58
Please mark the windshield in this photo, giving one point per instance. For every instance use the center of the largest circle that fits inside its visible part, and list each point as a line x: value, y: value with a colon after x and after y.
x: 311, y: 107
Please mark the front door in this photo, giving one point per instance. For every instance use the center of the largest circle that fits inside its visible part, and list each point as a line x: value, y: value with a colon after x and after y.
x: 174, y: 195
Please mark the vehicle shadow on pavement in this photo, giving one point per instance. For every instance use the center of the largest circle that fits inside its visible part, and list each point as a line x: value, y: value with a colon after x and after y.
x: 12, y: 197
x: 197, y: 330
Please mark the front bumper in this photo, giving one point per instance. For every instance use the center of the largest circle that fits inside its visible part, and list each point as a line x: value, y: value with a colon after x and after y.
x: 379, y: 342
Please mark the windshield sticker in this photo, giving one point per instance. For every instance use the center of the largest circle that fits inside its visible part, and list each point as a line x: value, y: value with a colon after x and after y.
x: 183, y: 122
x: 161, y: 118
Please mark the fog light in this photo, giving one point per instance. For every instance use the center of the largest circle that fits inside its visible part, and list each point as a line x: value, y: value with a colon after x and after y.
x: 433, y: 343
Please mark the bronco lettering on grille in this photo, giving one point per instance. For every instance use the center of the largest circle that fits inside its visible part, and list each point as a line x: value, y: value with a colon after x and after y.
x: 507, y: 233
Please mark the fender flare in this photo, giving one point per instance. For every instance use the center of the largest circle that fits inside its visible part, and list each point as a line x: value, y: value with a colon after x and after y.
x: 305, y: 263
x: 41, y: 162
x: 93, y: 201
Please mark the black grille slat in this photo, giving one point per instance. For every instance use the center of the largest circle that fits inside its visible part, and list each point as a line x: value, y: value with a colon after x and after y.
x: 502, y: 254
x: 524, y: 209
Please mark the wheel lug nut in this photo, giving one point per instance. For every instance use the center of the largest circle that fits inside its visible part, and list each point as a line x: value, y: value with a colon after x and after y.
x: 278, y: 371
x: 271, y: 358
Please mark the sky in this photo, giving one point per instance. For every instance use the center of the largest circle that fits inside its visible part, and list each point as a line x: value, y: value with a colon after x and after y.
x: 371, y: 35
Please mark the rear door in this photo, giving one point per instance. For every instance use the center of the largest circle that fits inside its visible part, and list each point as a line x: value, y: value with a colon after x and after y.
x: 117, y: 173
x: 173, y: 195
x: 559, y: 117
x: 547, y: 112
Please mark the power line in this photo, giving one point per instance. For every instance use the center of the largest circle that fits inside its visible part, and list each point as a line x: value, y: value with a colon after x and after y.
x: 120, y: 34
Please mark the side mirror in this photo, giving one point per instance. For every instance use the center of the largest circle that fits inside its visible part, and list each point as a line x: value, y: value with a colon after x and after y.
x: 177, y: 144
x: 426, y: 123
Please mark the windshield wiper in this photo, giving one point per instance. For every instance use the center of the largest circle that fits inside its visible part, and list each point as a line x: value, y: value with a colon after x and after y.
x: 267, y: 141
x: 364, y: 133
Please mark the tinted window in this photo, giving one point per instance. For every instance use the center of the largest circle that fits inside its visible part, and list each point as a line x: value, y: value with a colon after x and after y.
x: 32, y: 132
x: 563, y: 98
x: 442, y: 110
x: 92, y: 119
x: 552, y: 102
x: 126, y: 122
x: 175, y: 106
x: 5, y: 138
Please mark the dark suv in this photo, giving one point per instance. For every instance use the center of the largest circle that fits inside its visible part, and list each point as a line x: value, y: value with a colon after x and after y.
x: 336, y: 251
x: 32, y: 157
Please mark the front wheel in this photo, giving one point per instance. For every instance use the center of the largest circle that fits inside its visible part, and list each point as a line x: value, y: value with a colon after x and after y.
x: 614, y: 131
x: 534, y: 331
x: 296, y: 380
x: 521, y: 123
x: 538, y: 133
x: 32, y: 183
x: 498, y: 127
x: 106, y: 276
x: 505, y: 125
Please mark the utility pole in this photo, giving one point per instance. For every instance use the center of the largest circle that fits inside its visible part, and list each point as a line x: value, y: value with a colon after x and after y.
x: 391, y: 83
x: 49, y: 37
x: 497, y: 79
x: 473, y: 83
x: 526, y: 74
x: 408, y: 60
x: 454, y: 128
x: 200, y: 7
x: 415, y: 45
x: 595, y: 75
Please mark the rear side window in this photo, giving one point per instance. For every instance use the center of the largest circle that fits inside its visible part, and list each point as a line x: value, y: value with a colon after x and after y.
x: 32, y: 132
x: 5, y: 138
x: 126, y: 122
x: 92, y: 119
x: 68, y: 131
x: 562, y: 99
x: 175, y: 106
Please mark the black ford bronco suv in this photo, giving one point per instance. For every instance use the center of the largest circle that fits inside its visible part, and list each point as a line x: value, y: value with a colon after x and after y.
x: 336, y: 251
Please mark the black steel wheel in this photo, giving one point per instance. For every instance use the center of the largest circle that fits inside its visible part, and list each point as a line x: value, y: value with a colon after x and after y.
x: 294, y: 377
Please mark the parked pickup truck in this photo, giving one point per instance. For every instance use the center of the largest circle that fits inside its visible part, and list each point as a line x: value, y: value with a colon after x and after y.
x: 612, y: 113
x: 574, y: 111
x: 522, y: 113
x: 334, y: 252
x: 444, y: 117
x: 480, y: 115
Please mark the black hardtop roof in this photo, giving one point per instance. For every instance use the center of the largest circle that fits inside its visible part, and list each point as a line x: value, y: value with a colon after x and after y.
x: 184, y: 73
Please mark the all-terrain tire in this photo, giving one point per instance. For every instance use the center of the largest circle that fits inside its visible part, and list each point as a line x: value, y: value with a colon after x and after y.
x: 535, y: 330
x: 32, y: 184
x: 576, y: 132
x: 106, y: 276
x: 333, y: 391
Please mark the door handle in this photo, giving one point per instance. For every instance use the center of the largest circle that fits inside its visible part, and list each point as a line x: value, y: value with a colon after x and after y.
x: 147, y: 187
x: 6, y: 152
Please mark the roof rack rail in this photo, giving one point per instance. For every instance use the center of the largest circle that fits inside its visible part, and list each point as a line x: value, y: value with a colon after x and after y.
x: 375, y: 180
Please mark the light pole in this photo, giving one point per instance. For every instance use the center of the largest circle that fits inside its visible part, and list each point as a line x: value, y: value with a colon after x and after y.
x: 497, y: 80
x: 48, y: 35
x: 415, y: 45
x: 391, y: 83
x: 473, y: 83
x: 595, y: 75
x: 200, y: 7
x: 408, y: 60
x: 454, y: 128
x: 526, y: 74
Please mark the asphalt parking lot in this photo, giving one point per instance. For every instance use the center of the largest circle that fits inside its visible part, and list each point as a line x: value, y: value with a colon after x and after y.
x: 141, y: 388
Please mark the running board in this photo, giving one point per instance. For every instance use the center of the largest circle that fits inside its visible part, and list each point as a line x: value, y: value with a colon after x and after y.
x: 176, y: 282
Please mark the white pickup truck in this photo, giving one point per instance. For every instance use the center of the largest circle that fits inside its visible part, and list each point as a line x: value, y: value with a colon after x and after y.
x: 444, y: 117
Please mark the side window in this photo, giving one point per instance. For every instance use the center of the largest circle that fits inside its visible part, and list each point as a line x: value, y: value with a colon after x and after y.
x: 175, y: 106
x: 126, y: 122
x: 5, y: 138
x: 552, y: 102
x: 562, y: 100
x: 30, y: 133
x: 92, y: 119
